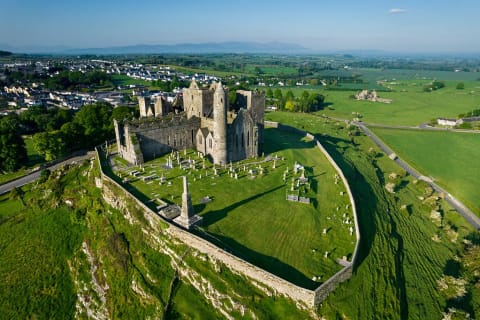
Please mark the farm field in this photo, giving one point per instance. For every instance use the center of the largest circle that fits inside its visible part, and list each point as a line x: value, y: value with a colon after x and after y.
x: 450, y: 158
x: 252, y: 218
x: 403, y: 251
x: 411, y: 106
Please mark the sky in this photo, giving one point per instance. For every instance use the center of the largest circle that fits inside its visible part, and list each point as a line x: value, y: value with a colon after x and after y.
x: 391, y: 25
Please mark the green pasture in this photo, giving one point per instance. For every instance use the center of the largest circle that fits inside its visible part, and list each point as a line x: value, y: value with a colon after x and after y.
x: 251, y: 216
x: 411, y: 106
x: 124, y: 80
x: 403, y: 252
x: 450, y: 158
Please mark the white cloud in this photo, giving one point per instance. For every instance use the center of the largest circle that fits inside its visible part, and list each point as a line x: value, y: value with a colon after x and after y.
x: 397, y: 11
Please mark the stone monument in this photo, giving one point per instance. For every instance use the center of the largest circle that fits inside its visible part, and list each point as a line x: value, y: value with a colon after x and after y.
x: 187, y: 217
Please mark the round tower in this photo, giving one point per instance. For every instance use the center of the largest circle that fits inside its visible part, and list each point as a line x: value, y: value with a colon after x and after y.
x: 220, y: 125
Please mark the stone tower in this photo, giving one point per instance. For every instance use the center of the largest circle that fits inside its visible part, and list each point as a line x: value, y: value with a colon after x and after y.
x: 220, y: 125
x: 144, y: 105
x: 187, y: 217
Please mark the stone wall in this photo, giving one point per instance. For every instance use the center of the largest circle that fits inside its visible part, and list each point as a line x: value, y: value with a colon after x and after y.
x: 306, y: 298
x: 328, y: 286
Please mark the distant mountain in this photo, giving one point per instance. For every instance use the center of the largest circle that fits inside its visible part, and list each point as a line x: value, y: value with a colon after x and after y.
x: 210, y: 47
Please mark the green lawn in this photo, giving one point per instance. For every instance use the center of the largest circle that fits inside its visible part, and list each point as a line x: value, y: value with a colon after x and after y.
x: 252, y: 218
x: 452, y: 159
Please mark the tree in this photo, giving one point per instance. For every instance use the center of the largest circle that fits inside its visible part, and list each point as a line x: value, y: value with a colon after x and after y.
x: 460, y: 86
x: 96, y: 121
x: 277, y: 94
x: 13, y: 153
x: 269, y: 93
x: 258, y: 70
x: 290, y: 96
x: 49, y: 144
x: 72, y: 134
x: 290, y: 105
x: 123, y: 112
x: 305, y: 101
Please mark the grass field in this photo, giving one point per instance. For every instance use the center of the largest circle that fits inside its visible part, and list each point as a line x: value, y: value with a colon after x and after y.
x: 450, y: 158
x: 411, y: 106
x: 403, y: 252
x: 247, y: 216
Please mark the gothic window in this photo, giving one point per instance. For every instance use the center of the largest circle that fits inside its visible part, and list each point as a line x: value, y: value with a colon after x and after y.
x: 248, y: 138
x: 200, y: 140
x: 210, y: 143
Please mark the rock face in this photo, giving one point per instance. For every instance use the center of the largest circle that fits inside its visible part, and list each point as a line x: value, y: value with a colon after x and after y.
x: 205, y: 124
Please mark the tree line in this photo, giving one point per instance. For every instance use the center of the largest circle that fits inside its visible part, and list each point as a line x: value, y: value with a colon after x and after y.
x: 307, y: 102
x: 56, y: 132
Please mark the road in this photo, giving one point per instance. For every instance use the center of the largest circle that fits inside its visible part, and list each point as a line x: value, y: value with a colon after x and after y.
x: 473, y: 219
x: 4, y: 188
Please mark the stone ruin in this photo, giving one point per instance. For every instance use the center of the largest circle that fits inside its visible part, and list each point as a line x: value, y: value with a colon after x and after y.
x: 371, y: 96
x: 202, y: 120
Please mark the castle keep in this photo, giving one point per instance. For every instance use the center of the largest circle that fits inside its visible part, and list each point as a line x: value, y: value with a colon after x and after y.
x: 201, y: 121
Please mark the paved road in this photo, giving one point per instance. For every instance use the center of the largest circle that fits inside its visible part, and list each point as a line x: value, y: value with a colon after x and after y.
x: 473, y: 219
x: 4, y: 188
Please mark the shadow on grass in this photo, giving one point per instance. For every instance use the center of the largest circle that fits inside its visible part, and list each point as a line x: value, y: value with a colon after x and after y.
x: 271, y: 264
x: 211, y: 217
x: 278, y: 140
x: 363, y: 194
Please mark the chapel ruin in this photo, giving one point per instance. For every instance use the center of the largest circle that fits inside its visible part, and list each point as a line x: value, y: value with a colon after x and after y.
x: 200, y: 119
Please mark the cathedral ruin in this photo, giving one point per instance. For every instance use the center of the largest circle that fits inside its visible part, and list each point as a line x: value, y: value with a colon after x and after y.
x: 202, y: 119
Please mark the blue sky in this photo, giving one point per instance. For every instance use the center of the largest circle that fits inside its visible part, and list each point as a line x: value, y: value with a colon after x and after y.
x: 392, y: 25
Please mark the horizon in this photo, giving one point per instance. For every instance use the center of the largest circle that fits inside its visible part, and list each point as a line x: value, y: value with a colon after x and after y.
x: 405, y: 27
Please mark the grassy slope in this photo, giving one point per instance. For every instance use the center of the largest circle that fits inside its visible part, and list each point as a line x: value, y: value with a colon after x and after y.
x: 247, y: 216
x: 43, y: 266
x: 399, y: 265
x: 450, y: 158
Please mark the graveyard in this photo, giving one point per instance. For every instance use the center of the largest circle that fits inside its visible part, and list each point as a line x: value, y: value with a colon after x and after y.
x: 286, y: 211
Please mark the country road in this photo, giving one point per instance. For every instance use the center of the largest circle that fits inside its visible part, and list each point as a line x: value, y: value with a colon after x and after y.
x: 4, y: 188
x: 473, y: 219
